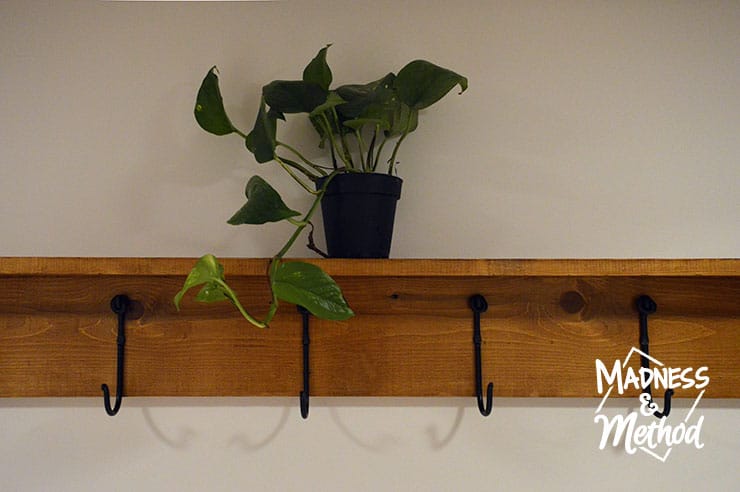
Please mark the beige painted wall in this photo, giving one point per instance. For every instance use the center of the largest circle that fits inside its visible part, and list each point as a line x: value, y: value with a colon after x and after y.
x: 599, y: 129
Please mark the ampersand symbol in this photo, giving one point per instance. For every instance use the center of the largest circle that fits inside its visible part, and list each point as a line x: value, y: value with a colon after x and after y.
x: 647, y: 407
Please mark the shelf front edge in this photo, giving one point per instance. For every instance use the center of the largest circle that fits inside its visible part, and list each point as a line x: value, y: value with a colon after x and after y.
x: 411, y: 267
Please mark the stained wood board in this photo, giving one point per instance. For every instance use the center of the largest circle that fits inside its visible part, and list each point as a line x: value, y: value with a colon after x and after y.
x: 547, y: 322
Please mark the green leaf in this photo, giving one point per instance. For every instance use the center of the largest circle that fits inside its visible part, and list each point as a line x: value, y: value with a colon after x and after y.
x: 263, y: 205
x: 315, y: 117
x: 206, y: 271
x: 378, y: 93
x: 210, y: 272
x: 276, y: 115
x: 309, y: 286
x: 211, y: 292
x: 261, y: 141
x: 318, y: 71
x: 209, y: 106
x: 293, y: 96
x: 421, y: 83
x: 332, y: 100
x: 403, y: 118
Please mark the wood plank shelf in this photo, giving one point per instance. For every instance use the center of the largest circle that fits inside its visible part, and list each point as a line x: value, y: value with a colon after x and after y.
x: 547, y: 322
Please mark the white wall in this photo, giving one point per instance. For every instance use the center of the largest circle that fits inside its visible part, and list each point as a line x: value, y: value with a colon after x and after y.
x: 599, y: 129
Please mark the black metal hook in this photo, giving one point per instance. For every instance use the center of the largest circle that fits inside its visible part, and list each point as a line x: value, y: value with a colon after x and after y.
x: 478, y: 305
x: 646, y: 306
x: 119, y: 305
x: 306, y: 342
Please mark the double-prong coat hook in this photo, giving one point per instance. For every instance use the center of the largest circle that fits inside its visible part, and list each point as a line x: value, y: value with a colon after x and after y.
x: 119, y: 305
x: 478, y: 305
x: 306, y: 342
x: 646, y: 306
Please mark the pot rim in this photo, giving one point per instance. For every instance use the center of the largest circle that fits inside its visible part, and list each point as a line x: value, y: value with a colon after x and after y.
x: 362, y: 183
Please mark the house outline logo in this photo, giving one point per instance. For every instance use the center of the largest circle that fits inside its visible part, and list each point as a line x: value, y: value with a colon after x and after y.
x: 640, y: 430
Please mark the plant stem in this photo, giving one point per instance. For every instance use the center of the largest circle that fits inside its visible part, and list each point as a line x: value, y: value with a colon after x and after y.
x: 302, y: 158
x: 296, y: 166
x: 235, y: 301
x: 361, y: 146
x: 304, y: 222
x: 342, y: 137
x: 369, y: 158
x: 293, y: 175
x: 275, y: 262
x: 333, y: 157
x: 296, y: 223
x: 392, y: 160
x: 377, y: 155
x: 334, y: 147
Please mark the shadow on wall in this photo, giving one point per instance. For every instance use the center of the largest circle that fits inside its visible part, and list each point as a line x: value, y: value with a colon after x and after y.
x: 180, y: 441
x: 247, y: 444
x: 386, y: 441
x: 437, y: 436
x: 379, y: 443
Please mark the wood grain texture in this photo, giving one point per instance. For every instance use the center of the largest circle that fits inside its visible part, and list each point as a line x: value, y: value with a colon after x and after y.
x: 412, y: 335
x: 69, y: 266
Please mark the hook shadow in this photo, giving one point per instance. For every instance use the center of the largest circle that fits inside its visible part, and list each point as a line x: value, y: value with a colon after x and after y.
x: 180, y: 442
x: 248, y: 445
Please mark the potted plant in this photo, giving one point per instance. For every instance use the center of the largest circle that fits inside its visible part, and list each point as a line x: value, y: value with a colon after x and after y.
x: 361, y: 127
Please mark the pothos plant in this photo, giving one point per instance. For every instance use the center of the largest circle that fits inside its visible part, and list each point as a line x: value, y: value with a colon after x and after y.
x: 360, y: 126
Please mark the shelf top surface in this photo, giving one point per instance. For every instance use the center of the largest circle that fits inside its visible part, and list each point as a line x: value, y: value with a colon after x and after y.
x: 72, y: 266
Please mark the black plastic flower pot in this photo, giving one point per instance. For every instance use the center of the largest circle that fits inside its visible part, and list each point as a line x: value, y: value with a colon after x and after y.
x: 358, y: 211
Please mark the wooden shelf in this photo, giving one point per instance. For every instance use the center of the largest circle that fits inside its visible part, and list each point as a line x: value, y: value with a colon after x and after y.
x: 72, y: 266
x: 547, y: 322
